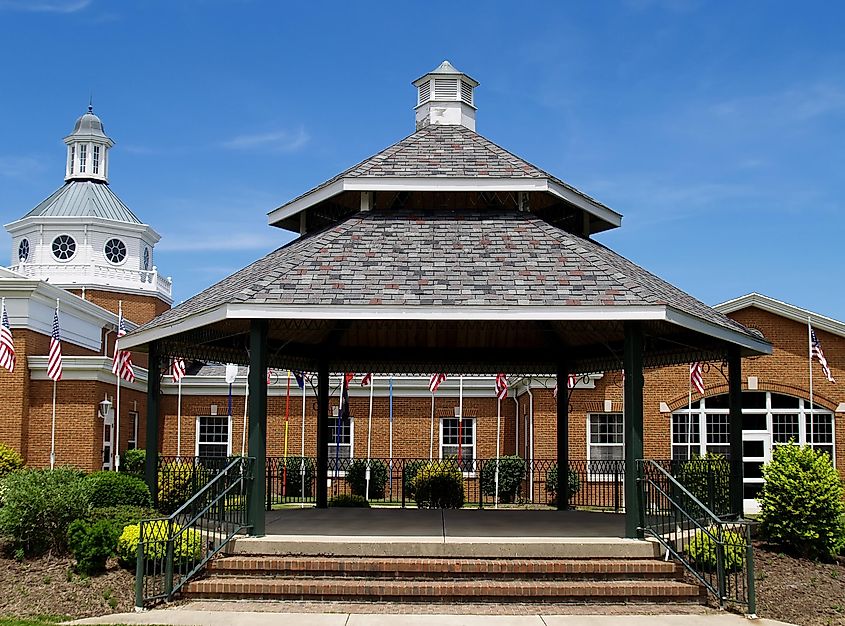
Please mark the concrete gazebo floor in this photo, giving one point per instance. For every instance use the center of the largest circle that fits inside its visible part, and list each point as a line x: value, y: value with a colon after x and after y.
x: 484, y: 533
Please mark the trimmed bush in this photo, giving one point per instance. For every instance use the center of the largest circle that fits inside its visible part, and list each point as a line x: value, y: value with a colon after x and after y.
x: 708, y: 478
x: 177, y: 482
x: 356, y: 476
x: 187, y: 547
x: 511, y: 475
x: 411, y: 470
x: 702, y: 550
x: 439, y: 485
x: 551, y: 482
x: 350, y: 501
x: 92, y: 543
x: 10, y: 460
x: 115, y: 489
x: 294, y: 476
x: 801, y: 507
x: 133, y: 462
x: 121, y: 516
x: 38, y: 507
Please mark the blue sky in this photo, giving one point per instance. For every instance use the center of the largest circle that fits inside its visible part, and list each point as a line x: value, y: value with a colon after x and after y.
x: 715, y: 128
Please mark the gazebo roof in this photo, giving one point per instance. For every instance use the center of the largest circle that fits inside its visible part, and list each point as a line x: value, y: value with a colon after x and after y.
x: 447, y: 158
x: 468, y: 273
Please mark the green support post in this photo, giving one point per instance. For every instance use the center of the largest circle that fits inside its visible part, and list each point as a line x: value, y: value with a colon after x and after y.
x: 139, y: 570
x: 153, y: 396
x: 322, y: 434
x: 562, y: 437
x: 735, y: 429
x: 257, y: 442
x: 633, y: 363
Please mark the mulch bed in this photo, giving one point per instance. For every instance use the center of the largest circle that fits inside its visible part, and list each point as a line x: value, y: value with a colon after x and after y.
x: 48, y: 586
x: 799, y: 591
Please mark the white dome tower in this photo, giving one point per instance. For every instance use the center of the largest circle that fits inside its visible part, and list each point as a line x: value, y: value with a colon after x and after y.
x: 83, y: 237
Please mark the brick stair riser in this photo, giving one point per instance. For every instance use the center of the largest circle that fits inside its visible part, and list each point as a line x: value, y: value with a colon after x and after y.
x: 445, y: 576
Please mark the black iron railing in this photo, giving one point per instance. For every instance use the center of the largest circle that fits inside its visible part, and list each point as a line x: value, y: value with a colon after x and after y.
x: 180, y: 477
x: 523, y: 483
x: 715, y: 550
x: 172, y: 549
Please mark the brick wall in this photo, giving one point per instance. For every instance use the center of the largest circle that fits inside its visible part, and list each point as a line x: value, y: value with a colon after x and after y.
x: 136, y: 308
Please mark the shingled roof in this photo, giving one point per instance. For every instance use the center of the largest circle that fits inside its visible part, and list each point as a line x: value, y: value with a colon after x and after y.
x: 442, y: 152
x: 458, y: 261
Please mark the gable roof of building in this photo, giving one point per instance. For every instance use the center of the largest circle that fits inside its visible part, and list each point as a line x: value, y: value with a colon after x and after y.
x: 455, y: 262
x: 83, y: 198
x: 784, y: 309
x: 438, y: 153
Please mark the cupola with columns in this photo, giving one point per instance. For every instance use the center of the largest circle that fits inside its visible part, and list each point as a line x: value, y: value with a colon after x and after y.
x: 88, y: 149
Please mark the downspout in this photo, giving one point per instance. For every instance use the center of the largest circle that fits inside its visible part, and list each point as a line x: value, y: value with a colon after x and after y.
x: 516, y: 424
x: 531, y: 440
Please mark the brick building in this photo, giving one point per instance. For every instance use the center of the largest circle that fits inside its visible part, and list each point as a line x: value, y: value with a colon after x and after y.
x: 96, y: 253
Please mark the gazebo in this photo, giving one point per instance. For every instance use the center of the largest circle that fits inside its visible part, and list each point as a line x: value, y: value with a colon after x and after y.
x: 446, y: 253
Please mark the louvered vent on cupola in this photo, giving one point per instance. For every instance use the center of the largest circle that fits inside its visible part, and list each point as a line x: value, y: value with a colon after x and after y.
x: 445, y: 96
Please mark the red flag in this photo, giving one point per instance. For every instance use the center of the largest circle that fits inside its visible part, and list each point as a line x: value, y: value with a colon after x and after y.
x: 695, y: 378
x: 501, y: 386
x: 435, y: 382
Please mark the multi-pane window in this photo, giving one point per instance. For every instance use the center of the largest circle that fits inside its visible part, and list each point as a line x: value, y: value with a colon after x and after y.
x: 717, y: 433
x: 457, y: 435
x: 132, y: 443
x: 606, y: 442
x: 83, y: 157
x: 95, y: 162
x: 686, y: 436
x: 214, y: 436
x: 340, y: 441
x: 72, y: 158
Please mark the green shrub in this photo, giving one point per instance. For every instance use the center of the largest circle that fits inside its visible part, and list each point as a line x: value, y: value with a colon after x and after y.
x: 801, y: 505
x: 294, y: 476
x: 114, y: 489
x: 10, y: 460
x: 708, y: 479
x: 92, y: 543
x: 511, y: 475
x: 702, y: 549
x: 356, y: 476
x: 133, y: 462
x: 38, y: 507
x: 351, y: 501
x: 178, y: 481
x: 439, y: 485
x: 122, y: 515
x: 410, y: 473
x: 187, y: 546
x: 551, y: 482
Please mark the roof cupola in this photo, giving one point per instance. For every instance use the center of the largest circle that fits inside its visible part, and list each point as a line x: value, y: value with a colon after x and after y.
x: 87, y: 150
x: 445, y: 96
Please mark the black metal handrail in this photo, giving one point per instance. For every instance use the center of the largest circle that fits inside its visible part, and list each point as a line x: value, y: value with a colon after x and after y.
x: 171, y: 550
x: 715, y: 551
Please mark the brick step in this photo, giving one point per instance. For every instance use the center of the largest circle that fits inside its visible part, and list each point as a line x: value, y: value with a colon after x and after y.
x: 344, y: 589
x: 439, y: 568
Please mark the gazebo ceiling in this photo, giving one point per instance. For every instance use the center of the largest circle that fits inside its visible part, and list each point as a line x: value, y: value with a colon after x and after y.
x: 463, y: 291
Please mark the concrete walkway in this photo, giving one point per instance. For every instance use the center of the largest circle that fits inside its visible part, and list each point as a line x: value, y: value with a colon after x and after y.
x: 186, y: 617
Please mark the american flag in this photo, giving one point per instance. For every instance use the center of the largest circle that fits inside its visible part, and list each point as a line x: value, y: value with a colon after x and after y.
x: 122, y: 363
x: 571, y: 381
x: 817, y: 352
x: 54, y: 360
x: 367, y: 380
x: 695, y: 377
x: 177, y: 369
x: 300, y: 379
x: 343, y: 411
x: 501, y: 386
x: 435, y: 382
x: 7, y: 346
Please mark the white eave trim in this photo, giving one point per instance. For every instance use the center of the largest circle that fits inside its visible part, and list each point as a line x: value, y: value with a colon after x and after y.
x: 107, y: 225
x: 442, y: 183
x: 87, y: 368
x: 699, y: 325
x: 783, y: 309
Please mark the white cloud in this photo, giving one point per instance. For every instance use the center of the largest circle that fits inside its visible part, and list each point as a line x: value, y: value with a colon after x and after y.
x: 274, y: 141
x: 45, y: 6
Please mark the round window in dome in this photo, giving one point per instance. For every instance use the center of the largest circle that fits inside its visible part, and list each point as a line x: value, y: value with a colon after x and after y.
x: 64, y: 247
x: 115, y: 251
x: 23, y: 250
x: 146, y: 258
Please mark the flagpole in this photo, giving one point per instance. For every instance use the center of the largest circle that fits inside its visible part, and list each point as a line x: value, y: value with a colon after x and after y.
x: 460, y: 422
x: 689, y: 413
x: 302, y: 446
x: 431, y: 438
x: 810, y: 354
x: 390, y: 439
x: 498, y: 443
x: 287, y: 417
x: 115, y: 433
x: 178, y: 417
x: 369, y: 438
x: 246, y: 405
x: 53, y: 431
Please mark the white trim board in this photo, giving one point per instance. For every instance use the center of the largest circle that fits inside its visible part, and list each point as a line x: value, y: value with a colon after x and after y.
x: 90, y: 368
x: 783, y: 309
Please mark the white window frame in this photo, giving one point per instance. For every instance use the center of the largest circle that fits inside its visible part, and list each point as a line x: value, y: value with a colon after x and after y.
x: 132, y: 442
x: 197, y: 434
x: 333, y: 445
x: 472, y: 446
x: 95, y: 159
x: 598, y: 476
x: 83, y: 157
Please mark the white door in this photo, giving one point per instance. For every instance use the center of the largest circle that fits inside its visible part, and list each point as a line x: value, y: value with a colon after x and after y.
x: 756, y: 450
x: 108, y: 424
